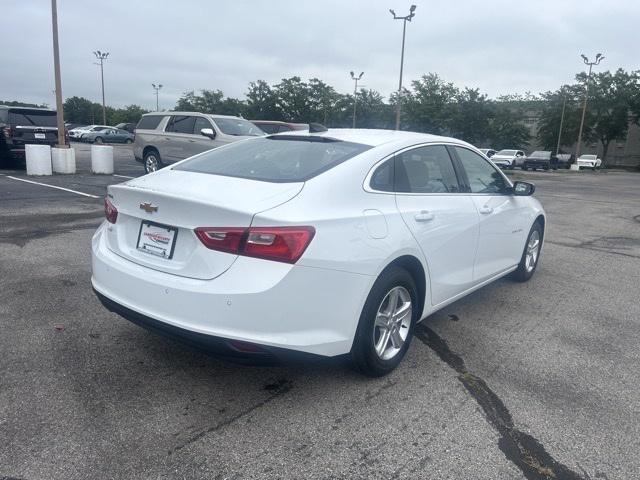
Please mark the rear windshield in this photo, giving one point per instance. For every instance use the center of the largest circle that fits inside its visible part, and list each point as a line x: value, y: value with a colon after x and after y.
x: 29, y: 118
x: 275, y: 159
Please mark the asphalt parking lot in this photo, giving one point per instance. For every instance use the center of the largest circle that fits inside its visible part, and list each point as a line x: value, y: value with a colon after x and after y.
x: 535, y: 380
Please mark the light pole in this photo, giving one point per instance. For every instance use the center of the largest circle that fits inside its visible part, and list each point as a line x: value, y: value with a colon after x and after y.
x: 598, y: 59
x: 56, y: 68
x: 564, y: 104
x: 355, y: 94
x: 102, y: 56
x: 404, y: 19
x: 157, y: 89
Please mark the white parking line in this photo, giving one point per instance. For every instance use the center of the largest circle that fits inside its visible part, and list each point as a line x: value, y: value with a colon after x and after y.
x: 53, y: 186
x: 122, y: 176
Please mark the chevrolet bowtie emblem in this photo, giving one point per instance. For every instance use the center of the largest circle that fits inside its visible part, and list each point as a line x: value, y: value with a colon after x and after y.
x: 147, y: 207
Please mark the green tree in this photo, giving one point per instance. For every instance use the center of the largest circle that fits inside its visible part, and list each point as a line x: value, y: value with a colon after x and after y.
x: 507, y: 131
x: 262, y: 102
x: 128, y: 114
x: 471, y: 115
x: 293, y: 99
x: 429, y: 106
x: 551, y: 115
x: 80, y: 110
x: 610, y: 97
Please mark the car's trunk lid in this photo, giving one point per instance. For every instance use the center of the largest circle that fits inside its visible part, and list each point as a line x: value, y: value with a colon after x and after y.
x: 186, y: 200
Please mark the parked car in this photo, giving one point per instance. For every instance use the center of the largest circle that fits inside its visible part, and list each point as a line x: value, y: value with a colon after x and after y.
x: 489, y: 152
x: 108, y: 135
x: 326, y: 242
x: 165, y: 138
x: 273, y: 126
x: 78, y: 133
x: 540, y: 159
x: 509, y: 158
x: 565, y: 160
x: 589, y: 161
x: 20, y: 126
x: 129, y: 127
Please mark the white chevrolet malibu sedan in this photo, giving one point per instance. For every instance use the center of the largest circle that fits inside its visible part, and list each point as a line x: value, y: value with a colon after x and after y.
x: 322, y: 242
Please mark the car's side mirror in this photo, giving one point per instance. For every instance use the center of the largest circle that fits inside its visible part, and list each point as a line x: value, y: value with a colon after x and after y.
x: 208, y: 132
x: 523, y: 189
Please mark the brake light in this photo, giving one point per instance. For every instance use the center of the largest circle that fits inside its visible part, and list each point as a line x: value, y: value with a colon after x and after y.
x: 282, y: 244
x: 110, y: 211
x: 7, y: 132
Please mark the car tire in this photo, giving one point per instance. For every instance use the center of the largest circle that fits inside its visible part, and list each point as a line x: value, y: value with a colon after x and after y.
x: 98, y: 140
x: 128, y: 141
x: 378, y: 349
x: 152, y: 162
x: 530, y: 255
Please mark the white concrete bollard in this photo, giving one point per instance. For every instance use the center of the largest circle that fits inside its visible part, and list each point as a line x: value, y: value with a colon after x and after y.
x: 38, y: 159
x: 63, y: 160
x: 102, y: 159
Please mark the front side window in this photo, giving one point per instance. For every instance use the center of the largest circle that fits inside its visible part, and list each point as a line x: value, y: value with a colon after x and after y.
x: 425, y: 170
x: 199, y: 124
x: 181, y: 124
x: 280, y: 159
x: 482, y: 176
x: 270, y: 128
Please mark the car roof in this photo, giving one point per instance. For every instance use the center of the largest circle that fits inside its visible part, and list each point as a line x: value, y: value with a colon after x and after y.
x: 376, y: 137
x: 9, y: 107
x: 213, y: 115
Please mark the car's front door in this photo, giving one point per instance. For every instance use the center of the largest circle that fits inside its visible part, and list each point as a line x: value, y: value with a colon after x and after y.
x: 443, y: 221
x: 503, y: 216
x: 199, y: 142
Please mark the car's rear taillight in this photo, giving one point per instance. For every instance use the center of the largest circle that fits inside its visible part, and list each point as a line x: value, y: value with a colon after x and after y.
x: 7, y: 132
x: 282, y: 244
x: 110, y: 211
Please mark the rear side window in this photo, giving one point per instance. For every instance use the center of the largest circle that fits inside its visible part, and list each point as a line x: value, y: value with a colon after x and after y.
x: 149, y: 122
x: 425, y: 170
x: 30, y: 118
x: 275, y: 159
x: 382, y: 178
x: 181, y: 124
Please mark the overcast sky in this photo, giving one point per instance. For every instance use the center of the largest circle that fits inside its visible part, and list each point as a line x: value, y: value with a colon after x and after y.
x: 500, y: 46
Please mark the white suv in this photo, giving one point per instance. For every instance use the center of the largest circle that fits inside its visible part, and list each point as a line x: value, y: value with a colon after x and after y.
x: 168, y: 137
x: 589, y: 161
x: 508, y: 158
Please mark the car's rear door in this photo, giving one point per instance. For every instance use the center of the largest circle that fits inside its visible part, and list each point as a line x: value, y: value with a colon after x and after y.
x: 175, y: 143
x: 443, y: 220
x: 503, y: 216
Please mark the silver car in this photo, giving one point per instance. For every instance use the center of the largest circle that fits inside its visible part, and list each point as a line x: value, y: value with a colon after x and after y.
x: 163, y: 138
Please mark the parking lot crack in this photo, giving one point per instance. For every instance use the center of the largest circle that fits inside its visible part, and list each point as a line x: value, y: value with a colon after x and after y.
x: 284, y: 387
x: 523, y: 450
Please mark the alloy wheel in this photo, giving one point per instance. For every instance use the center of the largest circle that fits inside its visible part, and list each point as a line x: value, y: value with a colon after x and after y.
x: 151, y: 163
x: 533, y: 251
x: 392, y: 323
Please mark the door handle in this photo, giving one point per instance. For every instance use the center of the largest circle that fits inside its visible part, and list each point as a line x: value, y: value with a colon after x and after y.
x: 423, y: 216
x: 486, y: 209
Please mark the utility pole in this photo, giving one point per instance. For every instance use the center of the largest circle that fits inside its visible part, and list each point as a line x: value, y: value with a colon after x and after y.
x: 598, y: 59
x: 157, y: 89
x: 102, y: 56
x: 56, y: 68
x: 405, y: 19
x: 355, y: 94
x: 564, y: 104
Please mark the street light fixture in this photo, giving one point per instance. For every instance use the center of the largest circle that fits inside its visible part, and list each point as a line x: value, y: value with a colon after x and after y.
x: 405, y: 19
x: 598, y: 59
x: 102, y: 56
x: 157, y: 89
x: 355, y: 94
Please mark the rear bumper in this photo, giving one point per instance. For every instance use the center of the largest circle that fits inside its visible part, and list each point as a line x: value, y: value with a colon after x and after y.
x: 225, y: 348
x: 277, y: 306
